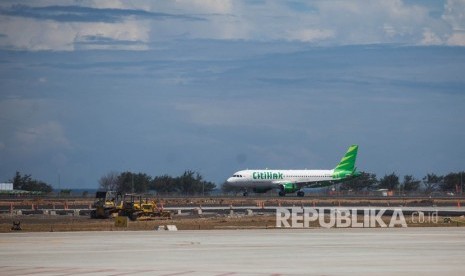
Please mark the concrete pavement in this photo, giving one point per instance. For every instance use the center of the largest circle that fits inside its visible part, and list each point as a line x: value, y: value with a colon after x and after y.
x: 406, y: 251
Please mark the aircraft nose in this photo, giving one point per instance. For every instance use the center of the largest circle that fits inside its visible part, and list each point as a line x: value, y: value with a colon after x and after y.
x: 230, y: 180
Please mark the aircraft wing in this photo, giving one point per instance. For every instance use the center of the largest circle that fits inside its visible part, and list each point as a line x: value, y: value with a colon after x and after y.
x: 306, y: 184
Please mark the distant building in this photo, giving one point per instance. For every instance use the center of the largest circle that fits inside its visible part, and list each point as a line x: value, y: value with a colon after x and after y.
x: 6, y: 186
x: 384, y: 192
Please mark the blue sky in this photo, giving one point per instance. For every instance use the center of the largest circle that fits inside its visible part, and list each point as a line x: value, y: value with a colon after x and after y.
x: 89, y: 87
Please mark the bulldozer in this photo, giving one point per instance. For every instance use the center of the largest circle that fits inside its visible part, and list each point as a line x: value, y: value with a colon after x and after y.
x: 106, y: 204
x: 135, y: 208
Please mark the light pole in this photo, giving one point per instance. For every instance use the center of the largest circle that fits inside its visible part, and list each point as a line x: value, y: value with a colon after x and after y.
x: 59, y: 185
x: 461, y: 184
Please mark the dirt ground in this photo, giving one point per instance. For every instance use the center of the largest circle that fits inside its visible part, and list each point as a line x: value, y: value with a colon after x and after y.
x: 45, y: 223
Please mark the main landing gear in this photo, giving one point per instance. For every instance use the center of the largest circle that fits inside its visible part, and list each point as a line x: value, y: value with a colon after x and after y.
x: 299, y: 193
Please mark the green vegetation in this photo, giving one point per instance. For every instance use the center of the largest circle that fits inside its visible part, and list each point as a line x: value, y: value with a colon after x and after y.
x: 410, y: 184
x: 390, y: 182
x: 27, y: 183
x: 365, y: 181
x: 431, y: 183
x: 189, y: 183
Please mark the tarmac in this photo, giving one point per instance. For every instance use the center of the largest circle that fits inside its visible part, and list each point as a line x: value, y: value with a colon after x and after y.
x: 342, y: 251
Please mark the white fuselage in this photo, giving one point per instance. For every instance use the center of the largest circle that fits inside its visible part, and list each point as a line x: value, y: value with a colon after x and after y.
x: 274, y: 178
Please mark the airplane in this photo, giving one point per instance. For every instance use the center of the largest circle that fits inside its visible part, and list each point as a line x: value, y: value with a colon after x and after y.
x: 291, y: 181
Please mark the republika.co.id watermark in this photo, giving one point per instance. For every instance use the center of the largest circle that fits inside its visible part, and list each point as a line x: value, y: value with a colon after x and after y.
x: 344, y: 218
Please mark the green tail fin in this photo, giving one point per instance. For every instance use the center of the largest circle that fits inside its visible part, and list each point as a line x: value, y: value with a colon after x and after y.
x: 347, y: 164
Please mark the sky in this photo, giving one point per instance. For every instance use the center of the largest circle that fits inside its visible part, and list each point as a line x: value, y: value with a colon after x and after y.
x: 160, y: 87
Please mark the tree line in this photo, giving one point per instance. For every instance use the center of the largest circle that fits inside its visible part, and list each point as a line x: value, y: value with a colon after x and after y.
x: 430, y: 183
x: 192, y: 183
x: 189, y: 183
x: 27, y: 183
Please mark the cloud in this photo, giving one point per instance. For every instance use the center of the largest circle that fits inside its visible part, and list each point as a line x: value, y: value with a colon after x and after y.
x: 27, y: 127
x: 87, y: 24
x: 208, y: 6
x: 33, y: 35
x: 454, y: 15
x: 86, y: 14
x: 225, y: 20
x: 43, y: 136
x: 310, y: 35
x: 430, y: 38
x: 68, y: 28
x: 325, y: 22
x: 456, y: 39
x: 361, y: 22
x: 256, y: 113
x: 94, y: 42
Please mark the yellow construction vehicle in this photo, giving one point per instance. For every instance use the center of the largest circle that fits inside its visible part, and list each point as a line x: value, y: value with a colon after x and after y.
x: 106, y: 204
x: 133, y: 207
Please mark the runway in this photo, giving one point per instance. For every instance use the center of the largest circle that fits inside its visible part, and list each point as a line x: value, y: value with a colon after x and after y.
x: 351, y: 251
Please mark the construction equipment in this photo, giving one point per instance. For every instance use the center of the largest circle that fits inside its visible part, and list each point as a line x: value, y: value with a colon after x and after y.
x: 133, y: 207
x: 106, y: 204
x: 16, y: 226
